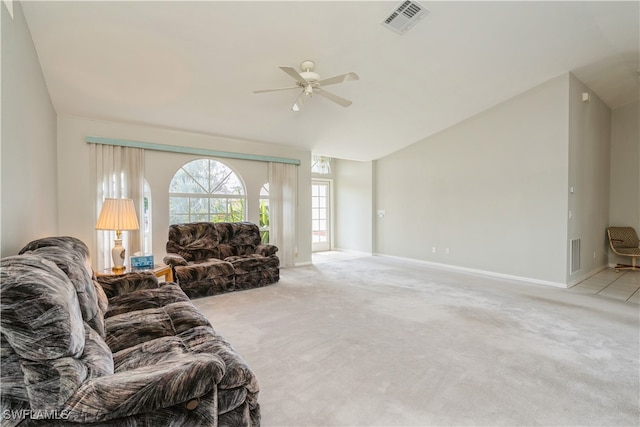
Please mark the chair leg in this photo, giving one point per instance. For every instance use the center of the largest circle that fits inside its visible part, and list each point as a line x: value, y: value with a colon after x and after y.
x: 632, y: 267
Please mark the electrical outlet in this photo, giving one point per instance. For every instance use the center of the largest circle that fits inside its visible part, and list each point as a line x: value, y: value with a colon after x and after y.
x: 433, y: 249
x: 446, y: 251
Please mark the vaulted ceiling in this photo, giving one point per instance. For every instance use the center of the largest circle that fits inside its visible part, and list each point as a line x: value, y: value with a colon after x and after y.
x: 194, y: 65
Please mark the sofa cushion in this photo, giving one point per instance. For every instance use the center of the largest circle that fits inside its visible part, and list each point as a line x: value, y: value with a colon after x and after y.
x: 194, y: 241
x: 148, y: 353
x: 76, y: 266
x: 252, y: 262
x: 209, y: 277
x: 242, y: 236
x: 123, y: 284
x: 50, y: 326
x: 97, y: 355
x: 142, y: 299
x: 133, y: 328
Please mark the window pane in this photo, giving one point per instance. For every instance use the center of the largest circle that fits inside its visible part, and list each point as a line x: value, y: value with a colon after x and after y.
x: 199, y: 205
x: 196, y: 173
x: 264, y: 213
x: 206, y: 180
x: 179, y: 205
x: 236, y: 209
x: 218, y: 206
x: 224, y: 181
x: 178, y: 219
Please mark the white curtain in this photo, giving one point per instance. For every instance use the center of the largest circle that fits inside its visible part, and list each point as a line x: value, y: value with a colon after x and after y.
x: 119, y: 175
x: 283, y: 205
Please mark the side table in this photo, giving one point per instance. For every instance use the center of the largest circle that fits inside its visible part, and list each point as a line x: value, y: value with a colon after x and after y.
x: 160, y: 271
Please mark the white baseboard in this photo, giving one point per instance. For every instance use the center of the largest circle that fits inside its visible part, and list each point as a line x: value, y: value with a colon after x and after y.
x: 349, y: 251
x: 477, y: 271
x: 300, y: 264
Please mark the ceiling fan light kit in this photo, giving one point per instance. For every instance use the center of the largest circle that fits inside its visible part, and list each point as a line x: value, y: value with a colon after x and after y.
x: 310, y: 83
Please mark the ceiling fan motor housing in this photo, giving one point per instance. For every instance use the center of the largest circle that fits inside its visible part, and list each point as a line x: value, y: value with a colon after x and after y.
x: 307, y: 71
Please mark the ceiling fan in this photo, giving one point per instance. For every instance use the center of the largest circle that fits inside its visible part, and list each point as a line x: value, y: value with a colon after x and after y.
x: 310, y: 83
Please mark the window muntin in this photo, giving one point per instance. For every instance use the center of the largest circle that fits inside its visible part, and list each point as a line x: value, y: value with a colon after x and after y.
x: 206, y: 190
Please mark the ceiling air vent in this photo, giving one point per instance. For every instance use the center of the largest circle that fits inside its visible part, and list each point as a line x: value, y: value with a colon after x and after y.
x: 405, y: 16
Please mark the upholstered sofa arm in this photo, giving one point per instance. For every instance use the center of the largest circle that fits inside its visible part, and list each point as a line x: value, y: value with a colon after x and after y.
x: 266, y: 249
x: 174, y: 260
x: 126, y: 283
x: 177, y: 380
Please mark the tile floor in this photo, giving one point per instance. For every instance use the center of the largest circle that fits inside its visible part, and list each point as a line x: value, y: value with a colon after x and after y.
x: 622, y: 285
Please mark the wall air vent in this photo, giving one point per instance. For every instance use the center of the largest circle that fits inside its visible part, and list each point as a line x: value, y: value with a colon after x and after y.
x: 405, y: 16
x: 575, y: 255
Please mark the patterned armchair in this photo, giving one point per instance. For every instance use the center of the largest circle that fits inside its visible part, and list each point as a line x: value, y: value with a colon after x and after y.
x: 211, y: 258
x: 624, y: 242
x: 127, y: 351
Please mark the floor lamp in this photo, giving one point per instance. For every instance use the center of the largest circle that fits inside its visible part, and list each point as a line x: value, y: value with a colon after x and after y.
x: 118, y: 215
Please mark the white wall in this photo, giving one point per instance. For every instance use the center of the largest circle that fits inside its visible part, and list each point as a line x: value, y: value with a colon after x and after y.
x: 76, y: 191
x: 353, y: 229
x: 491, y: 189
x: 625, y: 171
x: 28, y: 151
x: 589, y: 169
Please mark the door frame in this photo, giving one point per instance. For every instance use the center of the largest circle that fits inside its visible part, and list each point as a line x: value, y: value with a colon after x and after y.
x: 324, y: 246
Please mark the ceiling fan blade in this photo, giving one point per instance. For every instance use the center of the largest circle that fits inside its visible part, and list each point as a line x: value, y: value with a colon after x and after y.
x: 293, y: 73
x: 333, y: 97
x: 277, y: 89
x: 297, y: 106
x: 338, y: 79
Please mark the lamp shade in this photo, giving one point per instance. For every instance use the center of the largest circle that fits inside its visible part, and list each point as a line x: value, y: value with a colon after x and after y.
x: 117, y: 214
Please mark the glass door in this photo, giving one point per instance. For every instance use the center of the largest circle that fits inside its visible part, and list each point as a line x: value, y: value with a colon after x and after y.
x: 321, y: 215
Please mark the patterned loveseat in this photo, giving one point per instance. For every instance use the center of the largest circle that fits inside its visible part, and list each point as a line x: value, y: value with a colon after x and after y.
x: 112, y: 351
x: 211, y: 258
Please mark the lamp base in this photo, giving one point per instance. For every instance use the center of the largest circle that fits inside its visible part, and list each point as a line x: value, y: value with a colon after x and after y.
x: 118, y: 256
x: 118, y: 269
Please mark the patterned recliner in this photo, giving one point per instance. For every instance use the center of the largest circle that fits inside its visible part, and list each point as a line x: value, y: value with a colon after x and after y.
x: 127, y: 351
x: 211, y: 258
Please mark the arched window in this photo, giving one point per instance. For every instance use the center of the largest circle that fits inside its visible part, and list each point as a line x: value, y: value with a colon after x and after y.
x: 206, y: 190
x: 264, y: 213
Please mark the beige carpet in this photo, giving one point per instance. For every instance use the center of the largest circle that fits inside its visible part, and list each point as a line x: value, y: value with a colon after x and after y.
x: 382, y: 342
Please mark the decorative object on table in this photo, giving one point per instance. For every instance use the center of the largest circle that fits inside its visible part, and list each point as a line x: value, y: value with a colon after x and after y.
x: 141, y: 262
x: 118, y: 215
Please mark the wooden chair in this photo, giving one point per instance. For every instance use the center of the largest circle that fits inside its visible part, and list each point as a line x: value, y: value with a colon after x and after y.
x: 624, y: 242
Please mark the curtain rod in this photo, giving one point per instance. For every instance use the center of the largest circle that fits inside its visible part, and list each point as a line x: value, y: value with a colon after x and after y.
x: 189, y: 150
